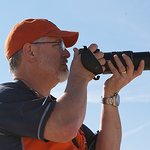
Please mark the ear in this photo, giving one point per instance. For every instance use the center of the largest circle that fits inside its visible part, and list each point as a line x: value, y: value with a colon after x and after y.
x: 28, y: 52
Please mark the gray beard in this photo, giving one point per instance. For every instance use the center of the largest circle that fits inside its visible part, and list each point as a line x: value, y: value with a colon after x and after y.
x: 62, y: 75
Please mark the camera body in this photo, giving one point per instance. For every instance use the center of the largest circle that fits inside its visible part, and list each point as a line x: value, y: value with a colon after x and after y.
x: 136, y: 57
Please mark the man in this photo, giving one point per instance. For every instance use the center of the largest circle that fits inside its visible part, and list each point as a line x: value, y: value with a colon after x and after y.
x: 31, y: 118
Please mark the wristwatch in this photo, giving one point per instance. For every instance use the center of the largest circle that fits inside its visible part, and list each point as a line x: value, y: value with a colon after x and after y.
x: 114, y: 101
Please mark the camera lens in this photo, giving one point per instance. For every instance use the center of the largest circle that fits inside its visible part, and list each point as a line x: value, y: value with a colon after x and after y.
x: 135, y: 57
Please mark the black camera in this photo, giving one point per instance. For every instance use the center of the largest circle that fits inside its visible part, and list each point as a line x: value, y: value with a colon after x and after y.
x: 136, y: 57
x: 92, y: 64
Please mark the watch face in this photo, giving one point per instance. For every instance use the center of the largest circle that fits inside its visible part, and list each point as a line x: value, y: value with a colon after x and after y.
x: 117, y: 99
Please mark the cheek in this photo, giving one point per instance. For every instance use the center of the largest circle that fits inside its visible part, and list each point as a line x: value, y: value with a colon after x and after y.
x: 50, y: 62
x: 55, y: 60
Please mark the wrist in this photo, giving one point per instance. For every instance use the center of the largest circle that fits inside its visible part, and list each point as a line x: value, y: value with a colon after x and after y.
x: 113, y: 100
x: 83, y: 77
x: 109, y: 92
x: 75, y: 81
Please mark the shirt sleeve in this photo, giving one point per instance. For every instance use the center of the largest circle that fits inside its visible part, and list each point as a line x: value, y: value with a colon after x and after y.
x: 27, y: 118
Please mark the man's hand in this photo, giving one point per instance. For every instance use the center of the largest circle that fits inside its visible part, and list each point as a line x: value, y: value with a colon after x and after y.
x: 122, y: 76
x: 77, y: 67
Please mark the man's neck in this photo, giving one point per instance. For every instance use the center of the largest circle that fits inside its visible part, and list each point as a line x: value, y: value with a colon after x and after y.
x: 43, y: 88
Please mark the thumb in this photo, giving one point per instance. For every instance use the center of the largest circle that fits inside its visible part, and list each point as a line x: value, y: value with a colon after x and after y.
x: 76, y: 52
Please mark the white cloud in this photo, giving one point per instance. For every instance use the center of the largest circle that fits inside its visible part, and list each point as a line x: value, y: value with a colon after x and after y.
x: 135, y: 96
x: 133, y: 131
x: 124, y: 97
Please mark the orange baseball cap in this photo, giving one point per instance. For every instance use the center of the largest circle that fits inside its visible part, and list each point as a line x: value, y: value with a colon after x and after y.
x: 30, y: 30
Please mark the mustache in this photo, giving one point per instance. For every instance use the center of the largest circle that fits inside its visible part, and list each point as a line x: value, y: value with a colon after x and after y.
x: 64, y: 60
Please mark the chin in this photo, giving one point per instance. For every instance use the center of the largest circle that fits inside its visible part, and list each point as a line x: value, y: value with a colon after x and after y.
x: 62, y: 76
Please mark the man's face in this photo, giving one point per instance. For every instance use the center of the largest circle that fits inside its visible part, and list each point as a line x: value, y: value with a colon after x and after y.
x: 52, y: 58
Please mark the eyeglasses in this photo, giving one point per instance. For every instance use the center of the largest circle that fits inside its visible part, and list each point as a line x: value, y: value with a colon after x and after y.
x: 63, y: 47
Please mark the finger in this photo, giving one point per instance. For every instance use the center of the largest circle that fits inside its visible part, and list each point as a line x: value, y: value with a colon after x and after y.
x: 119, y: 64
x: 103, y: 67
x: 99, y: 55
x: 113, y: 69
x: 129, y: 63
x: 140, y: 69
x: 76, y: 52
x: 93, y: 47
x: 102, y: 61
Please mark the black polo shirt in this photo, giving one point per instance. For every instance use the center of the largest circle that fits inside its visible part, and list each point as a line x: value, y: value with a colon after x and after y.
x: 22, y: 114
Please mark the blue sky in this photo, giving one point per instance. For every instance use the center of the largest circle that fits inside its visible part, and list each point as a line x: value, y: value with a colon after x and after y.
x: 115, y: 26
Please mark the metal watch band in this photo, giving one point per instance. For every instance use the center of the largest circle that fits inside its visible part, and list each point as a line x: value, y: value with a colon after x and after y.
x: 114, y: 100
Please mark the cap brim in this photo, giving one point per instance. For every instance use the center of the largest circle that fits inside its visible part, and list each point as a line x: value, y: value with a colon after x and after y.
x: 69, y: 37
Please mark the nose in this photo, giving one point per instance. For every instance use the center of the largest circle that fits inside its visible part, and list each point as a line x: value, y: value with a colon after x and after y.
x: 66, y: 53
